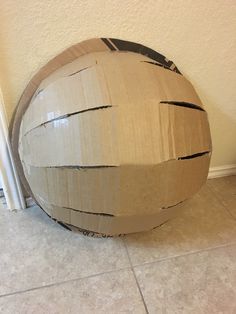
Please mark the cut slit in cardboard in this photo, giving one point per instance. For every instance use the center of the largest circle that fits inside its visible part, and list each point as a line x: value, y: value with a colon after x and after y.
x: 111, y: 142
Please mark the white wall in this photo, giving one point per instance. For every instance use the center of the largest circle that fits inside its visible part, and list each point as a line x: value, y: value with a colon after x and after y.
x: 199, y: 36
x: 0, y: 182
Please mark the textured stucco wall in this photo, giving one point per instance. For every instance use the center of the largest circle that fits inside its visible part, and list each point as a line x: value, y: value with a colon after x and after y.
x: 199, y: 36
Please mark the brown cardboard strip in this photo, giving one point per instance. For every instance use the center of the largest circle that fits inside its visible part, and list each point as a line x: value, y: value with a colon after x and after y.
x: 155, y: 133
x: 116, y: 225
x: 115, y: 79
x: 112, y: 226
x: 124, y: 190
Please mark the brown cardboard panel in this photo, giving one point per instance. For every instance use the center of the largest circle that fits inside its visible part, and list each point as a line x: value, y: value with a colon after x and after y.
x: 115, y: 225
x: 160, y: 132
x: 83, y: 139
x: 149, y: 134
x: 120, y: 191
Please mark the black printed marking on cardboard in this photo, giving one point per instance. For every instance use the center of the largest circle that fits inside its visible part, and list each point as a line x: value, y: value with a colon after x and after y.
x: 138, y: 48
x: 109, y: 45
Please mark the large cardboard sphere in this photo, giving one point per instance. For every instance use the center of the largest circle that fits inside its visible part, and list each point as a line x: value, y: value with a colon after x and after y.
x: 113, y: 141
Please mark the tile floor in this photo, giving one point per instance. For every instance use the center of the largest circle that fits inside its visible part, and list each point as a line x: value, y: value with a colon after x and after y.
x: 188, y: 265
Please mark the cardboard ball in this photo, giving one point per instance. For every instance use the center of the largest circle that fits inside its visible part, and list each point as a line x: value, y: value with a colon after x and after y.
x: 114, y: 139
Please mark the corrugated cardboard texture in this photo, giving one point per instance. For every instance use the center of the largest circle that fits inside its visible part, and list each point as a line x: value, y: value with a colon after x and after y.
x: 112, y: 142
x: 112, y: 78
x: 71, y: 54
x: 120, y: 191
x: 154, y: 133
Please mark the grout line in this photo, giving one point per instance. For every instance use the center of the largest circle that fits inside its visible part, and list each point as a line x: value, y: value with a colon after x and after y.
x: 136, y: 280
x: 186, y: 254
x: 62, y: 282
x: 220, y: 201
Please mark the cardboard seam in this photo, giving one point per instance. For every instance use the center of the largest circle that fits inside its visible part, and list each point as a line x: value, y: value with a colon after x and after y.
x: 69, y: 115
x: 115, y: 216
x: 194, y: 155
x: 158, y: 64
x: 183, y: 104
x: 81, y: 70
x: 85, y: 212
x: 73, y: 73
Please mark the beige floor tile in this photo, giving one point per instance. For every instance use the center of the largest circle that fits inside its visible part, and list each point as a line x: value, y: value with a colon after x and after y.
x: 2, y: 203
x: 225, y: 190
x: 36, y: 251
x: 114, y: 292
x: 205, y: 223
x: 198, y: 283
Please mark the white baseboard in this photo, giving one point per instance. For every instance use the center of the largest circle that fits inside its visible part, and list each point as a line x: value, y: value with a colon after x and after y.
x: 222, y: 171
